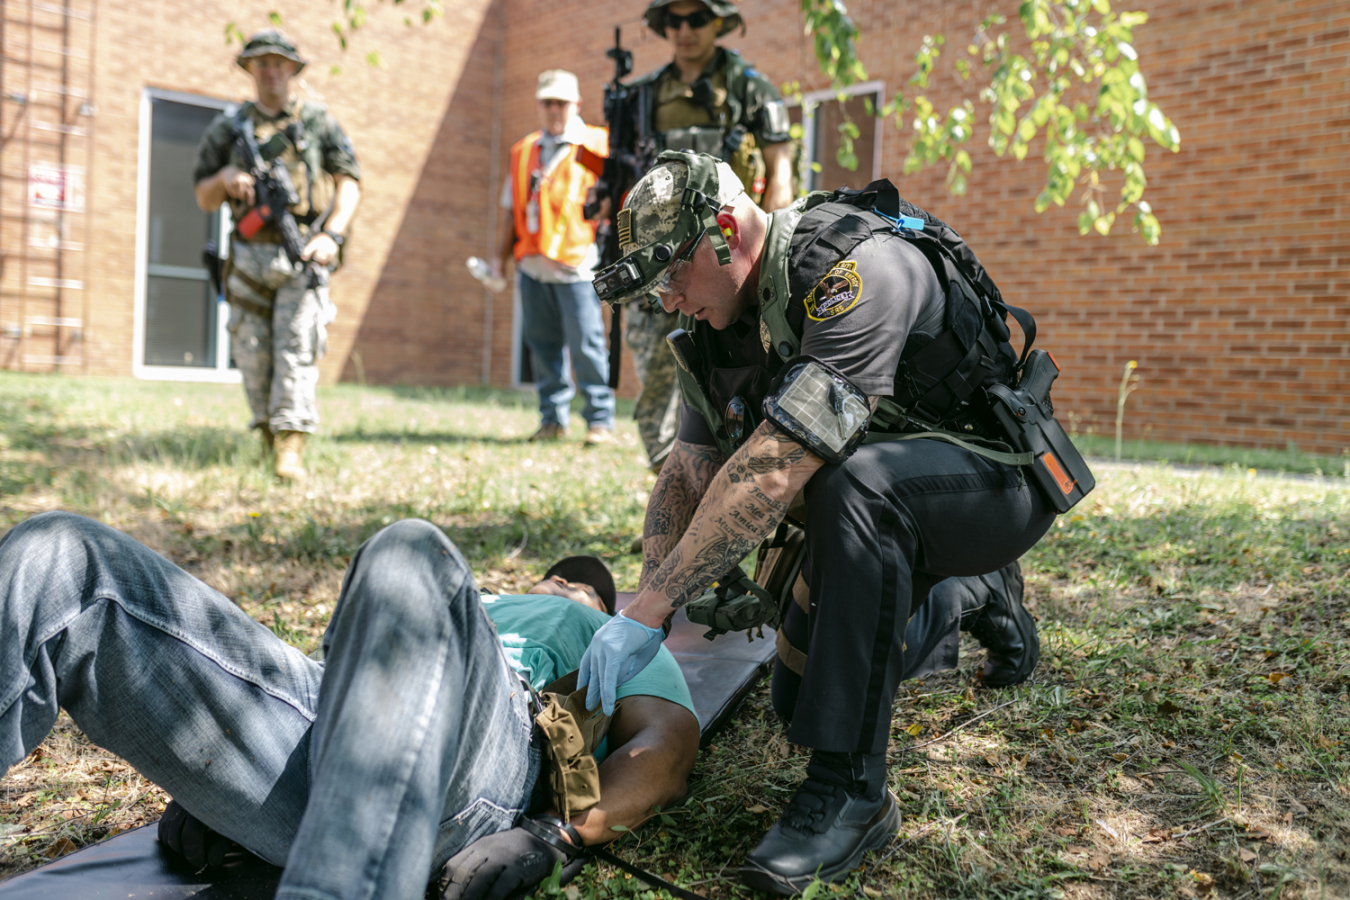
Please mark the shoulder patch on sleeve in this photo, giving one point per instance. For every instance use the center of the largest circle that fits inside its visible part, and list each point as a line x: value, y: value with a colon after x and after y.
x: 836, y: 293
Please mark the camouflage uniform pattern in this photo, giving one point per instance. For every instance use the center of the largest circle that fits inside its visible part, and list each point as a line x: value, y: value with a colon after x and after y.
x: 278, y: 354
x: 324, y: 150
x: 656, y: 205
x: 677, y: 105
x: 657, y: 410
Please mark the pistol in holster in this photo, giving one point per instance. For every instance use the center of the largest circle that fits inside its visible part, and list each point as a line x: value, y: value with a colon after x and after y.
x: 1028, y: 418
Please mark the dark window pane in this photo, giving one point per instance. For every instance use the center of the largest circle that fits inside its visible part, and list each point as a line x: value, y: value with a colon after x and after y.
x: 180, y: 313
x: 828, y: 118
x: 177, y: 228
x: 180, y: 322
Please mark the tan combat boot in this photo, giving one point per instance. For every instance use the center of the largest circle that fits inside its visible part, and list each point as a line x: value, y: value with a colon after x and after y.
x: 290, y: 446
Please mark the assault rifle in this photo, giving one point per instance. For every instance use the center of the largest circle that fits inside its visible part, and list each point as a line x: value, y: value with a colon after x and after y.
x: 632, y: 149
x: 273, y: 196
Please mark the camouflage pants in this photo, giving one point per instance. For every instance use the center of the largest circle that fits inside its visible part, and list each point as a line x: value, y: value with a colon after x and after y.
x: 658, y: 406
x: 278, y: 355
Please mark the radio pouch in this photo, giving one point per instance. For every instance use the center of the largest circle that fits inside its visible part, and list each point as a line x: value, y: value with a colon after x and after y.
x: 1028, y: 418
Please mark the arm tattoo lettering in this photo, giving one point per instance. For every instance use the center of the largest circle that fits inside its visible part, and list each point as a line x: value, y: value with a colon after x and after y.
x: 704, y: 525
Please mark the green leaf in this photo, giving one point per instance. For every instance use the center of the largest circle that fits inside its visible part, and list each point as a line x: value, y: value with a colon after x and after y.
x: 275, y: 18
x: 1102, y: 6
x: 373, y: 59
x: 1137, y: 149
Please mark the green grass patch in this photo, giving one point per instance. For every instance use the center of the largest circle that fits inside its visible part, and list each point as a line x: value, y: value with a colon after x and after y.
x: 1267, y: 461
x: 1185, y: 734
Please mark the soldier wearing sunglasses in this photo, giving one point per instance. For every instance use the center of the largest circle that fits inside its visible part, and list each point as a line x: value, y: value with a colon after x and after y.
x: 707, y: 100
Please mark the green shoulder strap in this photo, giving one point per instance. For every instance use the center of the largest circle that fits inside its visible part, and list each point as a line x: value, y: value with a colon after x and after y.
x: 774, y: 291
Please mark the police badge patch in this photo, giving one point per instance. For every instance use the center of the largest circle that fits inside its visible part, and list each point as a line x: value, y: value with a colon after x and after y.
x: 836, y: 293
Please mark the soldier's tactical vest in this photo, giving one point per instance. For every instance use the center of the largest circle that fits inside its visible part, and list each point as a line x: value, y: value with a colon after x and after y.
x: 710, y: 124
x: 294, y: 139
x: 939, y: 381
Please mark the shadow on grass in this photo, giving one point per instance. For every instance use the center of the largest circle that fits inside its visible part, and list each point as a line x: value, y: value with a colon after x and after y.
x: 421, y: 437
x: 485, y: 539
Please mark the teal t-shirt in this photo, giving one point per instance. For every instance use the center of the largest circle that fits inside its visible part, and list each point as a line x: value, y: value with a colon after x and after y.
x: 545, y: 636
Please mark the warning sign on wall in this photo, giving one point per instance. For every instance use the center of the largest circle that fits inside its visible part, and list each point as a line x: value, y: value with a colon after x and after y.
x: 56, y: 187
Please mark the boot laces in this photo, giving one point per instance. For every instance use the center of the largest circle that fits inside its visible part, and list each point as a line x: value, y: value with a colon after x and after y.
x: 806, y: 811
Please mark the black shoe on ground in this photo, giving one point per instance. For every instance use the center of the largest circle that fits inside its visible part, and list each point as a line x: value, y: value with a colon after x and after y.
x: 1005, y: 629
x: 823, y: 834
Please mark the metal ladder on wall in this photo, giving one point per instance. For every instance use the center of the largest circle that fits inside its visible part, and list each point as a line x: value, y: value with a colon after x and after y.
x: 46, y: 154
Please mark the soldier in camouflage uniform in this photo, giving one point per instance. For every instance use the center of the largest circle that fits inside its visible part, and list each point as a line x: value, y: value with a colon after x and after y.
x: 279, y: 311
x: 709, y: 100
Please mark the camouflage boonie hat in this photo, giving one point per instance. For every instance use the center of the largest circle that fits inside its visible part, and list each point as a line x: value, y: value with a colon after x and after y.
x: 269, y: 40
x: 731, y: 16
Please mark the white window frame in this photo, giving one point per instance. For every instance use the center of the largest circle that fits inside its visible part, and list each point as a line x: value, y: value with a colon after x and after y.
x: 811, y: 100
x: 221, y: 373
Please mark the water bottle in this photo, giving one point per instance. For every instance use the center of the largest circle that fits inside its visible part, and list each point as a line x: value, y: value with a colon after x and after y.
x: 479, y: 268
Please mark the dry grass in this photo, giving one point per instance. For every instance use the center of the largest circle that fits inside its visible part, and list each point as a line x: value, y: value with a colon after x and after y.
x: 1185, y: 736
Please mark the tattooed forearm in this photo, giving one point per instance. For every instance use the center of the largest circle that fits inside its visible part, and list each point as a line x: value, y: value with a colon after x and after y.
x: 742, y: 504
x: 682, y: 483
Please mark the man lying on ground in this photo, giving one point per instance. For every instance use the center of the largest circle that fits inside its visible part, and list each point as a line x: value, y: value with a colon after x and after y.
x: 363, y: 774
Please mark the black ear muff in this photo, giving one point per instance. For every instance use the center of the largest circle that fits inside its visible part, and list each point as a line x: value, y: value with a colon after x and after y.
x: 662, y: 252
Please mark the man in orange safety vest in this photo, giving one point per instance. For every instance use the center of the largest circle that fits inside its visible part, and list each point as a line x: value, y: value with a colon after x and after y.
x: 553, y: 246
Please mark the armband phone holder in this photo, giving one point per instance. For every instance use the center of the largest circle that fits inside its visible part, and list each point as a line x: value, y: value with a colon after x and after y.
x: 819, y: 408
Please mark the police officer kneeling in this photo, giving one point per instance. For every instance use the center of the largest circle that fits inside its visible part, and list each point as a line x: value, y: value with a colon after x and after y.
x: 820, y: 341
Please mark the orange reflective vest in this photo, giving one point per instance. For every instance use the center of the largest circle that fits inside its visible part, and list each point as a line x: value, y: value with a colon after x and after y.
x: 547, y: 205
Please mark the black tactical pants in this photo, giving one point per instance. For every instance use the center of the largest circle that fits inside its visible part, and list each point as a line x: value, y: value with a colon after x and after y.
x: 882, y: 529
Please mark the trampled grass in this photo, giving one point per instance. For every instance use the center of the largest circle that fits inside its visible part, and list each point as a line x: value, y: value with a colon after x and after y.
x: 1185, y: 735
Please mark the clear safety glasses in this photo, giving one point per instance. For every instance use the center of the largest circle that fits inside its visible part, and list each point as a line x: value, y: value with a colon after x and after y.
x: 672, y: 281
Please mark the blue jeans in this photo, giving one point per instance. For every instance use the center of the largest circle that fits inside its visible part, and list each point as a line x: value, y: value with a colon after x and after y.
x: 558, y: 317
x: 360, y: 775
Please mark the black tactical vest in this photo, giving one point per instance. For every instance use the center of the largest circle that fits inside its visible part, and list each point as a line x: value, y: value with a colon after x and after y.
x: 940, y: 379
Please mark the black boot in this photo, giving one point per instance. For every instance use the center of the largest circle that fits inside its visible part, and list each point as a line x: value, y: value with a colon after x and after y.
x: 994, y: 615
x: 841, y: 811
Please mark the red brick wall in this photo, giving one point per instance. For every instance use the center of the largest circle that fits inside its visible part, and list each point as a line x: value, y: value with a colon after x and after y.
x: 1238, y: 319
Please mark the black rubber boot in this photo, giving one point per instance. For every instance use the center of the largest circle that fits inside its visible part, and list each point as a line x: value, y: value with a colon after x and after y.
x: 840, y: 812
x: 996, y: 618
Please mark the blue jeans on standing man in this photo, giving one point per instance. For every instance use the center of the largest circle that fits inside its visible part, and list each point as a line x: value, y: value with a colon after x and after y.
x: 558, y: 317
x: 361, y: 775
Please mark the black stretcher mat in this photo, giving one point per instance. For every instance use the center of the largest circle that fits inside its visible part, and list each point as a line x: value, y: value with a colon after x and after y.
x: 132, y: 866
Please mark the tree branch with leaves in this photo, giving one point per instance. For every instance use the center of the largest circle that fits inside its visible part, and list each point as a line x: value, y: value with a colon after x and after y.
x: 354, y: 16
x: 1074, y: 83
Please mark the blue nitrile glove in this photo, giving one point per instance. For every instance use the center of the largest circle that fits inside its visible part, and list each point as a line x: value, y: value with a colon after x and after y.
x: 618, y: 651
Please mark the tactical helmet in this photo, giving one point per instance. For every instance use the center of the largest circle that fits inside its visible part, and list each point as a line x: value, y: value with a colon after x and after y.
x: 673, y: 203
x: 731, y: 16
x: 269, y: 40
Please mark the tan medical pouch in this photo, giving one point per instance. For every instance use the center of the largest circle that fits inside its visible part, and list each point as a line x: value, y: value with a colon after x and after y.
x: 570, y: 735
